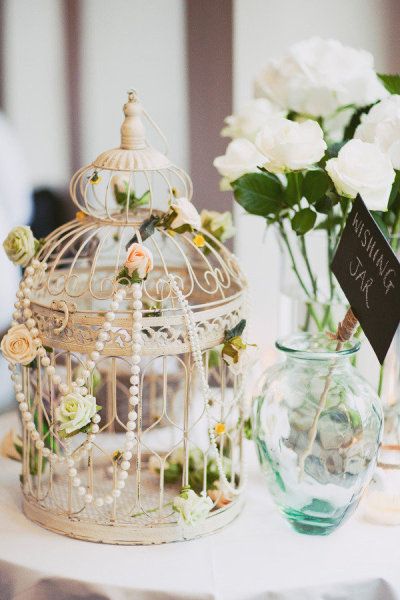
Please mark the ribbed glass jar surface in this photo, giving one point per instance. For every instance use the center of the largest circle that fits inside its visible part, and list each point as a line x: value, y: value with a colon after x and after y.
x: 317, y: 427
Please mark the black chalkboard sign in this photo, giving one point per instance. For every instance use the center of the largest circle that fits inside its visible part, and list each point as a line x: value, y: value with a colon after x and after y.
x: 369, y: 275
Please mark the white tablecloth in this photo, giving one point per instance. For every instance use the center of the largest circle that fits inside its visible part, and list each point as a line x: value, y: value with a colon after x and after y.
x: 256, y: 557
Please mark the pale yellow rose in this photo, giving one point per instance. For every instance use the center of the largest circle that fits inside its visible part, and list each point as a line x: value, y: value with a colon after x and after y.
x: 19, y: 245
x: 75, y: 412
x: 17, y: 345
x: 139, y: 260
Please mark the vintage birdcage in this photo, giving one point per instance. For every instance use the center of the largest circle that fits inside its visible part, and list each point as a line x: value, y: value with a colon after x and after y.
x: 169, y: 410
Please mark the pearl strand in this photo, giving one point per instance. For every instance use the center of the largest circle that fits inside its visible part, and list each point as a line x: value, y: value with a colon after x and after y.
x: 208, y: 396
x: 23, y: 301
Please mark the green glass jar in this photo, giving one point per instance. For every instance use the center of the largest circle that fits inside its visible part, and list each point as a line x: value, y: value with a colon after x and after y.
x: 317, y: 426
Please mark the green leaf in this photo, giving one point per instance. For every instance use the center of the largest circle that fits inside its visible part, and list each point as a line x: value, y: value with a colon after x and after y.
x: 391, y: 82
x: 146, y: 230
x: 294, y: 188
x: 323, y: 205
x: 304, y: 220
x: 380, y: 222
x: 355, y: 121
x: 236, y: 331
x: 315, y: 185
x: 258, y: 193
x: 329, y: 223
x: 395, y: 190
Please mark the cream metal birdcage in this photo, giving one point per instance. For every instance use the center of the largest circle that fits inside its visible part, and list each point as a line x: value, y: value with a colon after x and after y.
x: 150, y: 355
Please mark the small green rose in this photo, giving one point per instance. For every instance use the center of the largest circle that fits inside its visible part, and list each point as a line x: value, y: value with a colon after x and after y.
x: 20, y: 245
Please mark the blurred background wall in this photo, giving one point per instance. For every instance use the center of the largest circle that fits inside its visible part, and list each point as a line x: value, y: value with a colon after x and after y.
x: 65, y: 67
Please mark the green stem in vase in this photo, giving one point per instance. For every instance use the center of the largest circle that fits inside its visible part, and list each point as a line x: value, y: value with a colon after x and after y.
x: 294, y: 266
x: 304, y: 253
x: 380, y: 381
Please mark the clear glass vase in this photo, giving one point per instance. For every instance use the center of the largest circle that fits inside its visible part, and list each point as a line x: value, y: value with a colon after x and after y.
x: 317, y: 427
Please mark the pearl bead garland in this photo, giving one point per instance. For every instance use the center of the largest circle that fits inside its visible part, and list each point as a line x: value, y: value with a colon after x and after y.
x: 207, y: 394
x: 23, y: 299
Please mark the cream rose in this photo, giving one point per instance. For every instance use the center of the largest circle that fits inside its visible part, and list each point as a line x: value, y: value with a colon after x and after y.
x: 219, y: 224
x: 19, y: 245
x: 290, y: 146
x: 362, y: 168
x: 381, y: 126
x: 247, y: 122
x: 139, y: 260
x: 191, y: 508
x: 241, y: 157
x: 186, y: 213
x: 75, y: 412
x: 316, y: 77
x: 17, y: 345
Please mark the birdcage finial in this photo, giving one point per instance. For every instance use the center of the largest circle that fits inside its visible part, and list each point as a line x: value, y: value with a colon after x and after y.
x: 133, y: 134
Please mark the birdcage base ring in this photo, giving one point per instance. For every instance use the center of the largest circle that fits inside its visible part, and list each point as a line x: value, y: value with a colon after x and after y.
x: 129, y: 535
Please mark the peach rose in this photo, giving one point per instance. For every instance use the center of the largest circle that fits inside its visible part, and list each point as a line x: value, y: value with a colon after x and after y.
x: 17, y: 345
x: 139, y: 260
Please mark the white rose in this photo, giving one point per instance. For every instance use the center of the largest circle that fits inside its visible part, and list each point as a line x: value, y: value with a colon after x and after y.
x: 186, y: 213
x: 247, y: 122
x: 219, y: 224
x: 241, y: 157
x: 139, y: 260
x: 191, y: 508
x: 382, y: 127
x: 19, y: 245
x: 362, y: 168
x: 75, y: 411
x: 290, y: 146
x: 316, y: 77
x: 17, y: 345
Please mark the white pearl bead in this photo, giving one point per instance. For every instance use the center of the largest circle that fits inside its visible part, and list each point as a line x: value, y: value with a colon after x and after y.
x: 127, y: 455
x: 35, y: 332
x: 116, y: 493
x: 90, y: 365
x: 46, y: 452
x: 41, y: 352
x: 29, y: 270
x: 20, y: 295
x: 134, y: 379
x: 26, y: 302
x: 99, y: 502
x: 103, y: 336
x: 80, y: 381
x: 110, y: 316
x: 119, y: 295
x: 135, y: 359
x: 23, y: 406
x: 120, y: 484
x: 137, y: 318
x: 94, y: 355
x: 88, y: 498
x: 70, y: 462
x: 131, y: 425
x: 64, y: 389
x: 45, y: 361
x: 30, y: 426
x: 72, y: 472
x: 17, y: 387
x: 136, y: 327
x: 96, y: 419
x: 137, y: 293
x: 129, y: 445
x: 27, y: 293
x: 123, y: 475
x: 76, y: 482
x: 85, y: 374
x: 28, y: 314
x: 39, y: 444
x: 135, y: 370
x: 27, y: 416
x: 114, y: 305
x: 106, y: 325
x: 50, y: 370
x: 37, y: 342
x: 82, y: 491
x: 134, y: 390
x: 90, y: 437
x: 35, y: 263
x: 94, y: 428
x: 137, y: 338
x: 16, y: 314
x: 99, y: 346
x: 130, y: 435
x: 56, y: 379
x: 20, y: 396
x: 132, y: 416
x: 108, y: 499
x: 28, y: 281
x: 35, y: 435
x: 137, y: 305
x: 134, y: 400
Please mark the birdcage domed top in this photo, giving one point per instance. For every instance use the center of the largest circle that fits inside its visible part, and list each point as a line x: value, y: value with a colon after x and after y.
x: 84, y: 257
x: 134, y: 175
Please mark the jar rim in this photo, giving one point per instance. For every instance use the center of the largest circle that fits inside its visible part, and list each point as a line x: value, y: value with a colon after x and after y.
x: 315, y: 346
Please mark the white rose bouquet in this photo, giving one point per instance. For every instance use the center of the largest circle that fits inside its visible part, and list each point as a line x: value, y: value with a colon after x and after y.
x: 323, y: 128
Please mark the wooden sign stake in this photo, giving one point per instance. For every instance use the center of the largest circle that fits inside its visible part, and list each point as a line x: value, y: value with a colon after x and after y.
x: 343, y: 333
